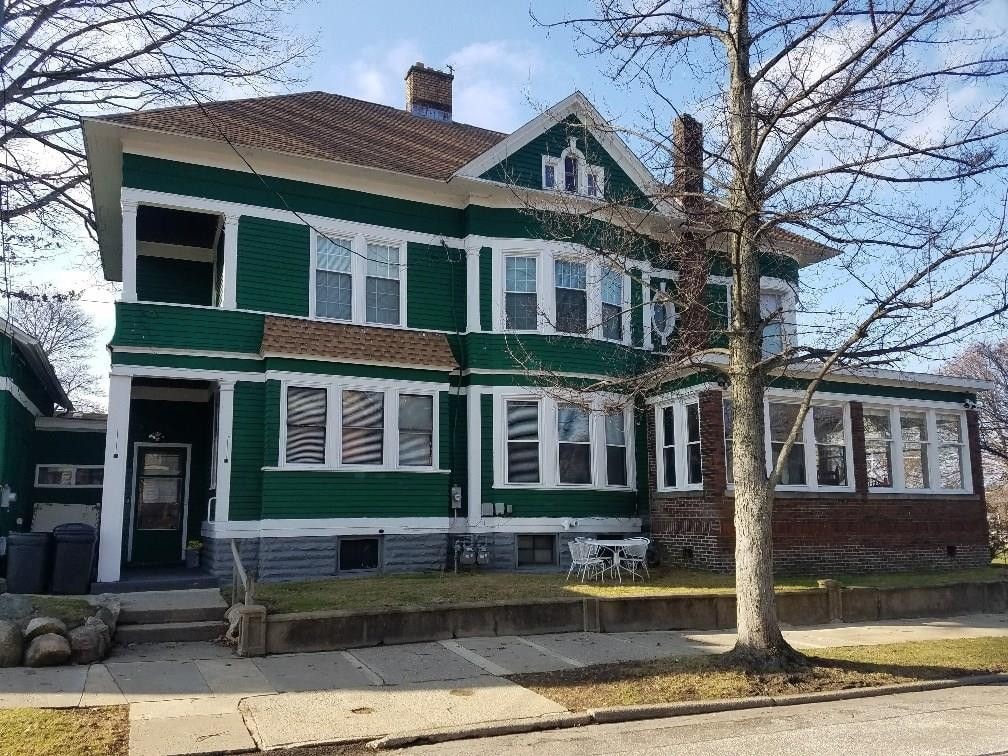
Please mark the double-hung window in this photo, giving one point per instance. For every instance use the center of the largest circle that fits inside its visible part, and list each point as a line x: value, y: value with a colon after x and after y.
x: 306, y: 426
x: 574, y: 449
x: 521, y: 306
x: 571, y: 170
x: 382, y: 284
x: 334, y: 279
x: 729, y: 427
x: 679, y: 439
x: 782, y: 419
x: 878, y: 448
x: 916, y: 457
x: 950, y: 450
x: 830, y: 445
x: 363, y: 427
x: 522, y: 417
x: 571, y: 283
x: 416, y: 430
x: 612, y: 304
x: 772, y: 306
x: 615, y: 448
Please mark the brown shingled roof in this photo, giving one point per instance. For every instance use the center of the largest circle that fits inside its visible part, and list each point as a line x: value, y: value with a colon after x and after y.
x: 354, y: 343
x: 329, y: 127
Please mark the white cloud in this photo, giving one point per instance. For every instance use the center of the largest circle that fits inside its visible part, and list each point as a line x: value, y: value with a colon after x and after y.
x: 491, y: 79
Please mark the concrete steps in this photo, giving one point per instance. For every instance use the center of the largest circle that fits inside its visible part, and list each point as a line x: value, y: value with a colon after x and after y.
x: 170, y: 632
x: 171, y: 616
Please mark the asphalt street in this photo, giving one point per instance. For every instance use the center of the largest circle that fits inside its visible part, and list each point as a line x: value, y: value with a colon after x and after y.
x: 970, y: 721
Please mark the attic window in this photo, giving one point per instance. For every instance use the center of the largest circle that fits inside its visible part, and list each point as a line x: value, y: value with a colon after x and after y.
x: 578, y: 177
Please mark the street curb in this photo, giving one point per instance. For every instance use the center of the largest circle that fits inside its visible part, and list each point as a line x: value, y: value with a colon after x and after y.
x: 614, y: 714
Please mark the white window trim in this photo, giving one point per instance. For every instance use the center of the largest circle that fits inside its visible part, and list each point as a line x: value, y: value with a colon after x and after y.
x: 896, y: 448
x: 678, y: 406
x: 549, y: 450
x: 73, y: 475
x: 808, y: 440
x: 334, y: 423
x: 584, y: 168
x: 546, y: 291
x: 358, y: 276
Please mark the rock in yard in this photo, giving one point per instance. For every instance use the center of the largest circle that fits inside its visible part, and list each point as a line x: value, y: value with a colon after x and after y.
x: 11, y: 644
x: 43, y: 626
x: 90, y: 642
x: 47, y: 650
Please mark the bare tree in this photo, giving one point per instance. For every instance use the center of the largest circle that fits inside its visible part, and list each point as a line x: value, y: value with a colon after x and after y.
x: 844, y: 121
x: 61, y: 59
x: 989, y: 361
x: 67, y: 335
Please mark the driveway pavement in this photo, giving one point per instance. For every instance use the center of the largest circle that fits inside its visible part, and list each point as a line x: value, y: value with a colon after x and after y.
x: 197, y: 697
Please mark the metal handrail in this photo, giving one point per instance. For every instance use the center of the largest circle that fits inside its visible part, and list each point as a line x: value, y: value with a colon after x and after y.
x: 241, y: 578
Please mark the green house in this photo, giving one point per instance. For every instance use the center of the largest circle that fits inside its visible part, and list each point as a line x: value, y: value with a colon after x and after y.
x: 344, y: 342
x: 51, y: 458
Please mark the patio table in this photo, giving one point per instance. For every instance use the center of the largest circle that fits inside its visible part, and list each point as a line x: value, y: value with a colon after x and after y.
x: 615, y: 547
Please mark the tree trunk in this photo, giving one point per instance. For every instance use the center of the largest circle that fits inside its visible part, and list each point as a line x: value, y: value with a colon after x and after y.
x: 759, y: 644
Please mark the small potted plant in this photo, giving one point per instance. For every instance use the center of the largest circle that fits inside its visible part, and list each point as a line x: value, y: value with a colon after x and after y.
x: 192, y: 553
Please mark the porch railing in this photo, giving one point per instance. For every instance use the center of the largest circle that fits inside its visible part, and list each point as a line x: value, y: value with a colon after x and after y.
x: 242, y: 583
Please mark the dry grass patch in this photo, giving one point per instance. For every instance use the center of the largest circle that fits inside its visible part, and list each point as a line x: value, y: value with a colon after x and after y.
x: 440, y: 589
x: 102, y: 731
x: 705, y: 677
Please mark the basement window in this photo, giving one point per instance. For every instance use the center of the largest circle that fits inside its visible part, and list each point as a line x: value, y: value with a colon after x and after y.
x: 536, y: 550
x: 358, y: 554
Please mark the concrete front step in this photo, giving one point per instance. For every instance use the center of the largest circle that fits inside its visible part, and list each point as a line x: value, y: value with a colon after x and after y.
x: 170, y: 632
x: 159, y: 607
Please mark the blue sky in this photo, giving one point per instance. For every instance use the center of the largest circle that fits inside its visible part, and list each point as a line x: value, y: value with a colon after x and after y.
x: 507, y: 69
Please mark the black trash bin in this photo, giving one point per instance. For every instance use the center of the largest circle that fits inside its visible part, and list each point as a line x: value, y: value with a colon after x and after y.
x: 72, y: 559
x: 28, y: 562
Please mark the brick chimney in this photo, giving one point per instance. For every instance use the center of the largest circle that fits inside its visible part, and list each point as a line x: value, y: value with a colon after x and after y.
x: 429, y: 92
x: 687, y: 146
x: 693, y: 262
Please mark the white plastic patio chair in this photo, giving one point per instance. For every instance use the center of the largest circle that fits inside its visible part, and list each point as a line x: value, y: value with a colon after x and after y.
x: 585, y: 560
x: 633, y: 558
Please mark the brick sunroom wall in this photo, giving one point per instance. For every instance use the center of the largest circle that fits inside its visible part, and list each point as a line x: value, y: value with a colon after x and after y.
x: 821, y: 533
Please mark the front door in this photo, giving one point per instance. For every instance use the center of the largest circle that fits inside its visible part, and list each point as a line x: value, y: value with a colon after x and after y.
x: 160, y: 504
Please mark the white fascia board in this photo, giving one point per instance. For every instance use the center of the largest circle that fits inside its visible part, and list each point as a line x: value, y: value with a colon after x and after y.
x: 103, y: 149
x: 878, y: 376
x: 575, y: 103
x: 330, y: 526
x: 71, y: 424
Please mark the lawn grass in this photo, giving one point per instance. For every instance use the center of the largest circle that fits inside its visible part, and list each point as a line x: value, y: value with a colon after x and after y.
x: 72, y: 611
x: 437, y: 589
x: 705, y: 677
x: 102, y: 731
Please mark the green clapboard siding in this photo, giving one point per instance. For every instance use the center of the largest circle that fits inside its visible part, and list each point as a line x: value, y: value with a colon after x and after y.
x: 524, y: 167
x: 530, y: 502
x: 324, y: 493
x: 565, y: 354
x: 271, y: 424
x: 435, y: 287
x: 273, y: 261
x: 486, y: 288
x: 203, y: 329
x: 143, y: 172
x: 247, y: 452
x: 16, y: 467
x: 184, y: 362
x: 13, y: 365
x: 636, y: 308
x: 160, y: 279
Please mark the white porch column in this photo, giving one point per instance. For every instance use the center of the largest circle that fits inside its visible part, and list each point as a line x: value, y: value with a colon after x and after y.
x: 114, y: 484
x: 225, y: 423
x: 474, y: 439
x: 129, y: 251
x: 229, y: 294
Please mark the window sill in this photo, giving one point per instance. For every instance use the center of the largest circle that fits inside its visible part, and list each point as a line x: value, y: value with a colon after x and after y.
x: 364, y: 324
x: 922, y: 491
x: 561, y: 487
x: 681, y: 489
x: 351, y: 468
x: 50, y: 486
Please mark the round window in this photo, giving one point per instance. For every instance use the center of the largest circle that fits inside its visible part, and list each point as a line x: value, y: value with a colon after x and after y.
x: 663, y: 314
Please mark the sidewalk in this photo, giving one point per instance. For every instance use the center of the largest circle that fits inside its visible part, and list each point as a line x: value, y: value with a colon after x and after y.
x: 197, y: 697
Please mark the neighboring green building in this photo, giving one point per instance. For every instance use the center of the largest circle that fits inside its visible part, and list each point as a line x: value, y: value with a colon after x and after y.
x: 350, y: 356
x: 50, y: 464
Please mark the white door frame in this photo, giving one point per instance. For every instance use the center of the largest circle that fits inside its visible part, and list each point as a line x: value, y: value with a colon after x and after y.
x: 185, y: 495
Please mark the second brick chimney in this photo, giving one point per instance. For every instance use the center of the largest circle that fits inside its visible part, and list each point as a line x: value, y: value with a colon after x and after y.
x: 429, y: 92
x: 687, y: 146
